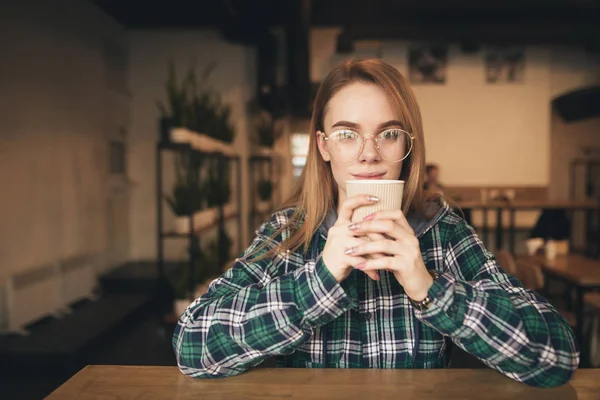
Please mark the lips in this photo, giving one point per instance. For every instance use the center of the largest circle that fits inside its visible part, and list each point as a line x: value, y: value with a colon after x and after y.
x: 369, y: 175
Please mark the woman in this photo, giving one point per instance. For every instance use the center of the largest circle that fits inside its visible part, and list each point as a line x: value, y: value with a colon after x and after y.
x: 309, y: 292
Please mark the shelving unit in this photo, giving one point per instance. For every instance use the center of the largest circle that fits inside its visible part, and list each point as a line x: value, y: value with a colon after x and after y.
x: 261, y: 167
x: 585, y: 185
x: 194, y: 160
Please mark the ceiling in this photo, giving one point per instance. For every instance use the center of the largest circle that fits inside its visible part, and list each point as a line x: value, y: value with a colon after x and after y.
x: 525, y: 20
x: 470, y: 22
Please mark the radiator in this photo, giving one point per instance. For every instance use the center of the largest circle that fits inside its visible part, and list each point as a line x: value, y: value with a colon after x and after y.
x: 47, y: 291
x: 31, y: 295
x: 78, y: 280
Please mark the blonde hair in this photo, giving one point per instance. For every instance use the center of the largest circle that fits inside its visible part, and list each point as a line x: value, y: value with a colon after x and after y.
x: 316, y: 192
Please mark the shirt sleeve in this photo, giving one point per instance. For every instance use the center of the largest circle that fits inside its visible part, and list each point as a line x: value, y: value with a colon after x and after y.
x: 248, y: 315
x: 492, y: 316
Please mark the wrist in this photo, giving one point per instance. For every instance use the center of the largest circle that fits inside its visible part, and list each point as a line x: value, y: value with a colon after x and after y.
x: 338, y: 274
x: 422, y: 289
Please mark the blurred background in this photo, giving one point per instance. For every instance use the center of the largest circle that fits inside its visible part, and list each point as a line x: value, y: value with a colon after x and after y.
x: 143, y: 143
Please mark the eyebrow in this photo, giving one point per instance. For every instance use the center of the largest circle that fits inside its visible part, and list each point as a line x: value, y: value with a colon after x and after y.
x: 354, y: 125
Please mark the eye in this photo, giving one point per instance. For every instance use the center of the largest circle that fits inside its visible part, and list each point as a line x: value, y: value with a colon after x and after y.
x: 391, y: 134
x: 345, y: 135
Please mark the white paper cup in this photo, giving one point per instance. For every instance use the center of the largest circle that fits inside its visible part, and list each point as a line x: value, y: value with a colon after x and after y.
x: 550, y: 250
x: 389, y: 193
x: 533, y: 245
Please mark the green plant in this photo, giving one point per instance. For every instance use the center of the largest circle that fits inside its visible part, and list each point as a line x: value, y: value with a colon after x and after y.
x: 185, y: 200
x: 267, y: 131
x: 212, y: 254
x: 224, y: 130
x: 203, y: 103
x: 217, y: 190
x: 208, y: 113
x: 265, y: 189
x: 178, y: 97
x: 191, y: 104
x: 181, y: 284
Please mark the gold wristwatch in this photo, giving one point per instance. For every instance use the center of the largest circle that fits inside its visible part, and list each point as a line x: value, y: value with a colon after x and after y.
x: 424, y: 304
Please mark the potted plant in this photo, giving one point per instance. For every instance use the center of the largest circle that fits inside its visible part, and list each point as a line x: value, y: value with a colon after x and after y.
x: 265, y: 192
x: 181, y: 292
x: 265, y: 189
x: 267, y: 130
x: 212, y: 258
x: 194, y: 113
x: 224, y: 130
x: 217, y: 191
x: 177, y: 109
x: 185, y: 200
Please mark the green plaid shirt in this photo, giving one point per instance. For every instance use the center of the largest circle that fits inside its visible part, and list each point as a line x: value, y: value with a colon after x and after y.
x: 290, y: 307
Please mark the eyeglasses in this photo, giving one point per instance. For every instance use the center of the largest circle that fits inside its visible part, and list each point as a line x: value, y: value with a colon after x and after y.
x: 346, y: 145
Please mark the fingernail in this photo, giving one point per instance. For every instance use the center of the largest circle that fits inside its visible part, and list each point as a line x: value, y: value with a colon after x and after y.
x: 377, y: 276
x: 361, y: 265
x: 369, y: 217
x: 373, y: 198
x: 349, y: 250
x: 354, y: 226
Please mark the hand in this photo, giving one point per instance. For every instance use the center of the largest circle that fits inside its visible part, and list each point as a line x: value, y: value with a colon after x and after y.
x: 401, y: 246
x: 340, y: 238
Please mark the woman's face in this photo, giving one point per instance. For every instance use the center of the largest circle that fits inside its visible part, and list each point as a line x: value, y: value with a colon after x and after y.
x: 362, y: 108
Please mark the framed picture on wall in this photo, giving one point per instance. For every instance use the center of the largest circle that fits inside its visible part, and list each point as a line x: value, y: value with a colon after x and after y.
x: 504, y: 64
x: 428, y: 63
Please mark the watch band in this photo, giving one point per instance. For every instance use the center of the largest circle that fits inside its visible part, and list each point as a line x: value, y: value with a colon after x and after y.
x: 424, y: 304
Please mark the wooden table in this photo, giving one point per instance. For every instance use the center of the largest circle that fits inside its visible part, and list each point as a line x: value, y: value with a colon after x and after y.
x: 589, y: 206
x: 154, y: 383
x: 579, y: 273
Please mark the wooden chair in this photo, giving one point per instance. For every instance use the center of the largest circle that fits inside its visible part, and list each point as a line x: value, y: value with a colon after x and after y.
x: 532, y: 277
x: 592, y: 301
x: 507, y: 262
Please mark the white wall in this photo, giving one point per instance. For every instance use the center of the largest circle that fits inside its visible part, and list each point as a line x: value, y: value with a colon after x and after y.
x: 481, y: 134
x: 233, y: 77
x: 571, y: 70
x: 57, y: 115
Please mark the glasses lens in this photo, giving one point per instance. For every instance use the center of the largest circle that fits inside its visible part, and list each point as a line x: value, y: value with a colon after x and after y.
x: 344, y: 145
x: 394, y: 144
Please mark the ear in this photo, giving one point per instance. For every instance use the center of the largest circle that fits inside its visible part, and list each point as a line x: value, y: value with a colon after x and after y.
x: 322, y: 146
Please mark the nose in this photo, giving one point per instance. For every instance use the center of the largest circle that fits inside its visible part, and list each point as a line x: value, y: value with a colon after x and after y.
x: 369, y: 151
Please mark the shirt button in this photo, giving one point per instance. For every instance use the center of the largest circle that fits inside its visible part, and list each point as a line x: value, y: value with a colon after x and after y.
x: 368, y: 316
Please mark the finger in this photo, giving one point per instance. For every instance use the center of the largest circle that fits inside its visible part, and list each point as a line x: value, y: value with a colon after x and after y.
x: 385, y: 246
x: 394, y: 215
x: 404, y: 223
x: 373, y: 237
x: 387, y: 227
x: 354, y: 261
x: 350, y: 204
x: 387, y: 263
x: 373, y: 275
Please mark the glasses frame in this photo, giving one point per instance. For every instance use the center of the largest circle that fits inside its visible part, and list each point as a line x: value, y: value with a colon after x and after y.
x: 364, y: 139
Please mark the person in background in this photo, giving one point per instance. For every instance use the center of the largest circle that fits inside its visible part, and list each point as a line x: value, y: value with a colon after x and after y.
x: 432, y: 185
x: 432, y: 179
x: 311, y: 293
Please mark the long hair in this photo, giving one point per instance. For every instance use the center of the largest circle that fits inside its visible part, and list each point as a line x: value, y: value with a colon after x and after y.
x: 316, y: 192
